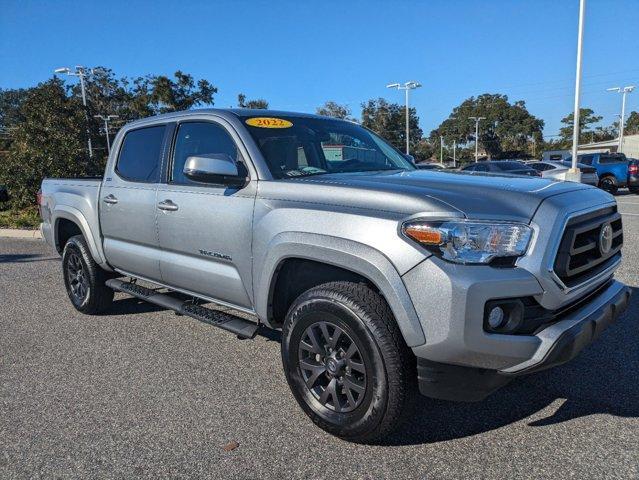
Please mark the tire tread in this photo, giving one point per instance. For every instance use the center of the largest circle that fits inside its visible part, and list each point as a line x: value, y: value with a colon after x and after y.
x: 399, y: 362
x: 101, y: 296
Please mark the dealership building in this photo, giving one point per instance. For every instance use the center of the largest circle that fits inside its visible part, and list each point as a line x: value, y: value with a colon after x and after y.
x: 630, y: 146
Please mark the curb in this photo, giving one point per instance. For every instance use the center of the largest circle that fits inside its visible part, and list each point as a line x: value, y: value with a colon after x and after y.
x: 18, y: 233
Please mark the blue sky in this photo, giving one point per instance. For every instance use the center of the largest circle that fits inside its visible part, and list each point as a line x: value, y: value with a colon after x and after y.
x: 299, y: 54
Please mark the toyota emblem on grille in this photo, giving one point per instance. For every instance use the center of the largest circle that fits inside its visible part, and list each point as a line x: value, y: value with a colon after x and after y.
x: 605, y: 239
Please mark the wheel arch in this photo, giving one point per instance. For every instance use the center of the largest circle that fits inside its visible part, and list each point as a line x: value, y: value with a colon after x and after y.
x: 609, y: 175
x: 328, y: 259
x: 68, y: 221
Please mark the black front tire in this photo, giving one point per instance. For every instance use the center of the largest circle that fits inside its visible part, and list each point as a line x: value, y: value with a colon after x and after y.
x: 84, y: 279
x: 387, y: 366
x: 609, y: 184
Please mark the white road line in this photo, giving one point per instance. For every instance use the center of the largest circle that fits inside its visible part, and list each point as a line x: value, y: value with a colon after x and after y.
x: 630, y: 214
x: 627, y: 203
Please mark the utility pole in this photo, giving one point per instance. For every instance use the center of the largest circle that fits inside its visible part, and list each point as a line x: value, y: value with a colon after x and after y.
x: 574, y: 174
x: 477, y: 120
x: 454, y: 153
x: 441, y: 150
x: 106, y: 120
x: 624, y: 91
x: 534, y: 140
x: 406, y: 87
x: 81, y: 72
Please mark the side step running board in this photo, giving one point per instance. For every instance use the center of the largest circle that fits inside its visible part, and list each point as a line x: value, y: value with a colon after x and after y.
x: 239, y: 326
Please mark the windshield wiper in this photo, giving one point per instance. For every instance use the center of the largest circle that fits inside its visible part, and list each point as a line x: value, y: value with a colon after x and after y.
x: 365, y: 170
x: 302, y: 174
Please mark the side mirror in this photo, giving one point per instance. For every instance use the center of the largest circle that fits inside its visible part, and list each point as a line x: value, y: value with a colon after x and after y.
x: 4, y: 194
x: 216, y: 168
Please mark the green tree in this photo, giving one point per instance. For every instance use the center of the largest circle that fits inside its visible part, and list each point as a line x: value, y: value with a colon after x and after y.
x: 587, y: 119
x: 389, y: 121
x: 167, y: 95
x: 507, y: 129
x: 423, y: 150
x: 134, y: 98
x: 259, y: 103
x: 10, y: 103
x: 632, y: 124
x: 333, y: 109
x: 49, y: 141
x: 48, y: 123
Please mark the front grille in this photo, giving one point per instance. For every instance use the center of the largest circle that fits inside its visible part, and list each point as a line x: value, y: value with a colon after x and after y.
x: 582, y: 253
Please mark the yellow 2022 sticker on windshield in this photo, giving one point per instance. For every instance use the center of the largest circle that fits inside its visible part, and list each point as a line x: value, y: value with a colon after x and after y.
x: 269, y: 122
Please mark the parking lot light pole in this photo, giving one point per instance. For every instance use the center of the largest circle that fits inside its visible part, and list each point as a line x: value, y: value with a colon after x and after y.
x: 574, y: 174
x: 406, y: 87
x: 106, y: 120
x: 624, y: 91
x: 477, y: 120
x: 454, y: 153
x: 441, y: 150
x: 80, y: 72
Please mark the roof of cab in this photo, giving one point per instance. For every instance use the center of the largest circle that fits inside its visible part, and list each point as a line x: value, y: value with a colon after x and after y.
x: 229, y: 112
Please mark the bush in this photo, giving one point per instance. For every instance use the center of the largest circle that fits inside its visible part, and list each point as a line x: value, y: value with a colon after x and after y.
x: 27, y: 218
x: 49, y: 142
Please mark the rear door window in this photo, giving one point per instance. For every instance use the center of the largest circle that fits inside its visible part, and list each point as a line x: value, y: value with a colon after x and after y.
x: 607, y: 159
x: 139, y: 159
x: 585, y: 159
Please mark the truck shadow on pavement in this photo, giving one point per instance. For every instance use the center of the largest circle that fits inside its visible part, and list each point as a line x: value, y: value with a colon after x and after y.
x: 25, y: 257
x: 603, y: 379
x: 131, y: 306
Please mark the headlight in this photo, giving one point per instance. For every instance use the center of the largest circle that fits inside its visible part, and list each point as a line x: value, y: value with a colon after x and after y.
x: 462, y: 241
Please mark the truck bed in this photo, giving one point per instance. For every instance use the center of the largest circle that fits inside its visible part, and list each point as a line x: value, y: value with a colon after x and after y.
x: 75, y: 199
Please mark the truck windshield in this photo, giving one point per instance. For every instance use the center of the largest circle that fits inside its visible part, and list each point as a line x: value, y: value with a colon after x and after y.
x: 302, y: 146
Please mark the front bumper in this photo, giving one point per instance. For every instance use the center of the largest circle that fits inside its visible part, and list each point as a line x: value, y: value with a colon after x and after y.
x: 558, y: 343
x: 563, y: 340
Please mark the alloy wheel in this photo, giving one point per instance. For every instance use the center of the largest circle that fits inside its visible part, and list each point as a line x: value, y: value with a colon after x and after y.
x: 332, y: 367
x: 77, y: 277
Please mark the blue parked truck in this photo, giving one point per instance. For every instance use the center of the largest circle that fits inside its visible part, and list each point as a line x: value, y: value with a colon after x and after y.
x: 612, y: 169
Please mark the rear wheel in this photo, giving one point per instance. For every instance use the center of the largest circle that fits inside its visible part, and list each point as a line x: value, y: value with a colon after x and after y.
x: 346, y: 361
x: 84, y: 279
x: 609, y: 184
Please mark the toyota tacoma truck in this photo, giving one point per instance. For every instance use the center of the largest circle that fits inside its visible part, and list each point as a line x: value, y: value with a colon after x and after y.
x: 383, y: 278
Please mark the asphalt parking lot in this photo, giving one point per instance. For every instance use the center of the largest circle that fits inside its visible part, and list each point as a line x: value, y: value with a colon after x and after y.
x: 141, y: 392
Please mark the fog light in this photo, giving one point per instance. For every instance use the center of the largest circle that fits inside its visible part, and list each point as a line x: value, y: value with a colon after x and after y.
x: 496, y: 318
x: 503, y: 316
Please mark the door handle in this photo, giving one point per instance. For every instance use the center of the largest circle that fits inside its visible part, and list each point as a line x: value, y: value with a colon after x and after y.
x: 110, y: 199
x: 167, y: 205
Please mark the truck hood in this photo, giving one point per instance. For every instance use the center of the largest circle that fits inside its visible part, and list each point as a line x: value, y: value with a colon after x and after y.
x: 473, y: 195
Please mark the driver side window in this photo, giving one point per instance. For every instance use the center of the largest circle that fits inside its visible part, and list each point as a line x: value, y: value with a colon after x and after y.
x: 197, y: 138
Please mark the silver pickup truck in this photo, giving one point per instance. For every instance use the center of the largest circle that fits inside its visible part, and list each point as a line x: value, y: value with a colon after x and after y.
x: 382, y: 277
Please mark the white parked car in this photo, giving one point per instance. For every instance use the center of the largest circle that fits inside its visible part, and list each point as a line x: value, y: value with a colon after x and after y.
x: 557, y: 171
